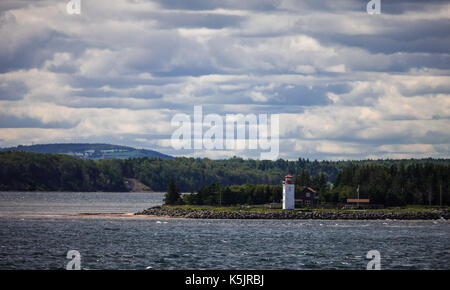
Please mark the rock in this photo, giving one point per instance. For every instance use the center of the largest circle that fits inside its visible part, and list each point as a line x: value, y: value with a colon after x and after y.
x: 363, y: 215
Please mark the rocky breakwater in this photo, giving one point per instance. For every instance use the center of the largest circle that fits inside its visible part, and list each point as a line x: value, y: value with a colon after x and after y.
x: 296, y: 214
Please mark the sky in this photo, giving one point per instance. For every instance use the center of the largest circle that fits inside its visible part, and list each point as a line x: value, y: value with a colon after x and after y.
x: 345, y: 84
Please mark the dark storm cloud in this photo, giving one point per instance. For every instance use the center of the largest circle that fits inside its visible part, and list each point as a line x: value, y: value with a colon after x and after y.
x: 403, y: 6
x: 119, y: 82
x: 16, y: 4
x: 194, y: 70
x: 399, y: 62
x: 10, y: 121
x: 302, y: 95
x: 32, y: 45
x: 216, y: 4
x: 389, y: 7
x: 13, y: 90
x: 129, y: 93
x: 197, y: 20
x: 418, y: 36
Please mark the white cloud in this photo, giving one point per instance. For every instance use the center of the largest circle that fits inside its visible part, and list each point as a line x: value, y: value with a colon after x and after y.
x: 347, y: 85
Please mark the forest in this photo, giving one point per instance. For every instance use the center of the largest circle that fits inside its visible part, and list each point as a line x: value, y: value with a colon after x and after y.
x: 397, y: 185
x: 426, y: 184
x: 58, y: 172
x: 389, y: 182
x: 216, y: 194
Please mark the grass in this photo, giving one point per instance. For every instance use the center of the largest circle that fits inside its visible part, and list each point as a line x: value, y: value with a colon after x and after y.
x: 417, y: 208
x: 232, y: 208
x: 266, y: 208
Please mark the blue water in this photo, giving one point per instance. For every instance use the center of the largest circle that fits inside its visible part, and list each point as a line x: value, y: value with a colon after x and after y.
x: 29, y: 240
x: 76, y: 202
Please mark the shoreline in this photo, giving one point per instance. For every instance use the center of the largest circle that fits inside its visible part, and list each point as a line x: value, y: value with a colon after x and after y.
x: 295, y: 215
x: 82, y: 215
x: 176, y: 213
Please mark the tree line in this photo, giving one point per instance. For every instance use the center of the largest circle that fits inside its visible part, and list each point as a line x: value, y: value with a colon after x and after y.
x: 426, y: 184
x: 396, y: 185
x: 192, y: 173
x: 58, y: 172
x: 216, y: 194
x: 389, y: 182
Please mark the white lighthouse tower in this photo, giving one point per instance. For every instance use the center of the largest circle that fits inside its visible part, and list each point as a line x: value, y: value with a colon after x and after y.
x: 288, y: 193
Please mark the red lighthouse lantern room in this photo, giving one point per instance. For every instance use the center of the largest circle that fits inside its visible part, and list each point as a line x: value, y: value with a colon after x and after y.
x: 287, y: 179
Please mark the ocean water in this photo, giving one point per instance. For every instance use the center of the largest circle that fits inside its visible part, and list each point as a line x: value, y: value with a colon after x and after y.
x: 76, y: 202
x: 33, y: 235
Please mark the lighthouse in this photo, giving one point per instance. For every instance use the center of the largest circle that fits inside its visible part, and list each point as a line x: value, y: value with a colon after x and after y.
x: 288, y: 193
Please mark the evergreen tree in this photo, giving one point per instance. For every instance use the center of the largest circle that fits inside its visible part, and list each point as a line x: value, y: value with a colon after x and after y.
x: 172, y: 195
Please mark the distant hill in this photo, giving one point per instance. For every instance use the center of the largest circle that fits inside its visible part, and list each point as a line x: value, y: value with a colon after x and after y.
x: 90, y: 151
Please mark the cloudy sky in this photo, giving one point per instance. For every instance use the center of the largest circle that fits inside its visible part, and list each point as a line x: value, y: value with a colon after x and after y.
x: 346, y: 84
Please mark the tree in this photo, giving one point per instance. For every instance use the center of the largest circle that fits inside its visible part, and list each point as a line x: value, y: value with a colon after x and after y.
x: 172, y: 195
x: 304, y: 179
